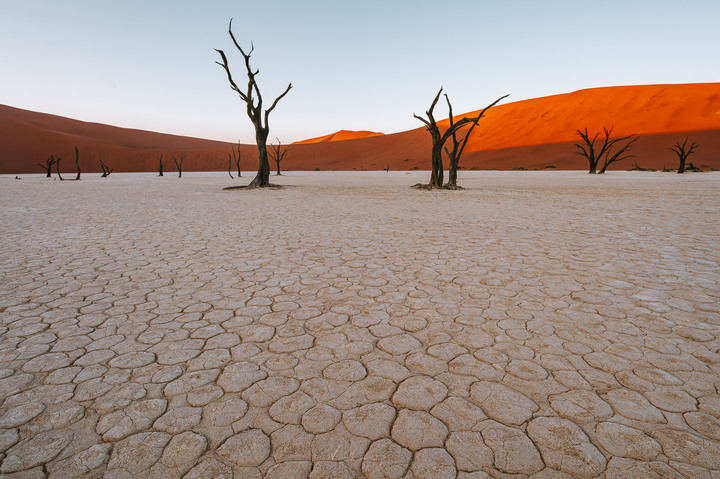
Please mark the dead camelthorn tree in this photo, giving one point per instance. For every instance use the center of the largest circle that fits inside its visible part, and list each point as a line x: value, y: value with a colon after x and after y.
x: 105, y: 170
x: 254, y: 102
x: 604, y: 153
x: 57, y: 167
x: 277, y: 154
x: 683, y: 153
x: 160, y: 166
x: 77, y: 163
x: 178, y: 164
x: 48, y: 165
x: 234, y: 157
x: 439, y: 139
x: 459, y: 145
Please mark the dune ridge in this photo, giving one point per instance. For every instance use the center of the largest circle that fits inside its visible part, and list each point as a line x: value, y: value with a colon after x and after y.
x: 341, y: 135
x: 533, y: 133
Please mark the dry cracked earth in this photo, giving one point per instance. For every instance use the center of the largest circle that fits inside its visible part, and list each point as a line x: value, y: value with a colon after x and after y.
x: 536, y: 324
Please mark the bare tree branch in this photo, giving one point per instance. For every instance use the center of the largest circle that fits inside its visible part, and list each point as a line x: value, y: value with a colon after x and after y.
x: 272, y: 107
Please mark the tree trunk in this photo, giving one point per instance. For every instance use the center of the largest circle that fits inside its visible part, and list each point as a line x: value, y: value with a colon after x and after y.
x: 593, y: 167
x: 77, y: 164
x: 436, y: 177
x: 47, y: 167
x: 178, y: 164
x: 681, y: 168
x: 57, y: 168
x: 452, y: 173
x: 262, y: 179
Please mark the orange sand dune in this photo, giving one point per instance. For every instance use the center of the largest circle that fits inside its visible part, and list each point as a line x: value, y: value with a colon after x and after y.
x: 525, y: 134
x: 645, y: 110
x: 341, y: 135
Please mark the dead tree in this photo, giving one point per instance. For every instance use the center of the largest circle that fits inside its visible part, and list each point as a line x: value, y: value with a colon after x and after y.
x: 277, y: 154
x: 230, y: 166
x: 682, y: 153
x: 105, y: 170
x: 439, y: 139
x: 48, y: 165
x: 160, y: 166
x: 178, y: 164
x: 57, y: 167
x: 459, y: 145
x: 254, y: 102
x: 238, y: 159
x: 637, y: 167
x: 234, y: 157
x: 77, y: 163
x: 594, y: 156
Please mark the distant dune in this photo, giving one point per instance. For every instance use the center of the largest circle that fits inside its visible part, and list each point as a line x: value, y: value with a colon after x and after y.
x: 341, y: 135
x: 528, y: 134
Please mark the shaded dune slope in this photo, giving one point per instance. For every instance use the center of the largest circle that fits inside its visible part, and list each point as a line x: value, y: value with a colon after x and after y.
x: 525, y: 134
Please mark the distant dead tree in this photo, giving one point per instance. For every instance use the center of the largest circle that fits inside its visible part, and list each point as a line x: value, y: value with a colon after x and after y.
x: 48, y: 165
x: 178, y: 164
x: 604, y: 153
x: 105, y: 170
x: 277, y: 153
x: 459, y: 145
x: 234, y: 157
x: 683, y: 153
x: 77, y: 163
x: 57, y: 167
x: 253, y: 100
x: 160, y: 166
x: 439, y: 139
x: 637, y: 167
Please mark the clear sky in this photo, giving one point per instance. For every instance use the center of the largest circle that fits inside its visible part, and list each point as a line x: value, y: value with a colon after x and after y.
x: 355, y: 65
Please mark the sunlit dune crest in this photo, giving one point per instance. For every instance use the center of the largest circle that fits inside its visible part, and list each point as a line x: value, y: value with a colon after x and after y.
x: 647, y: 109
x: 341, y: 135
x: 534, y: 133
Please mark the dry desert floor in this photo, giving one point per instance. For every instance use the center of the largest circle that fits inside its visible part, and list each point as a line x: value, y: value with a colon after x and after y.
x: 535, y: 324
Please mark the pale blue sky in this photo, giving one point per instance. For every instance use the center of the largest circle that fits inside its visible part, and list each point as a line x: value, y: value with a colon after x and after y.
x: 365, y: 65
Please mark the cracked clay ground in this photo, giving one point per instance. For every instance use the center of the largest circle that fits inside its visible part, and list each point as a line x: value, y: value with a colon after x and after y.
x: 536, y: 324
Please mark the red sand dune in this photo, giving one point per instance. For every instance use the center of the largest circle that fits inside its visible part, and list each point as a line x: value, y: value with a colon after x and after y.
x: 341, y: 135
x: 529, y: 134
